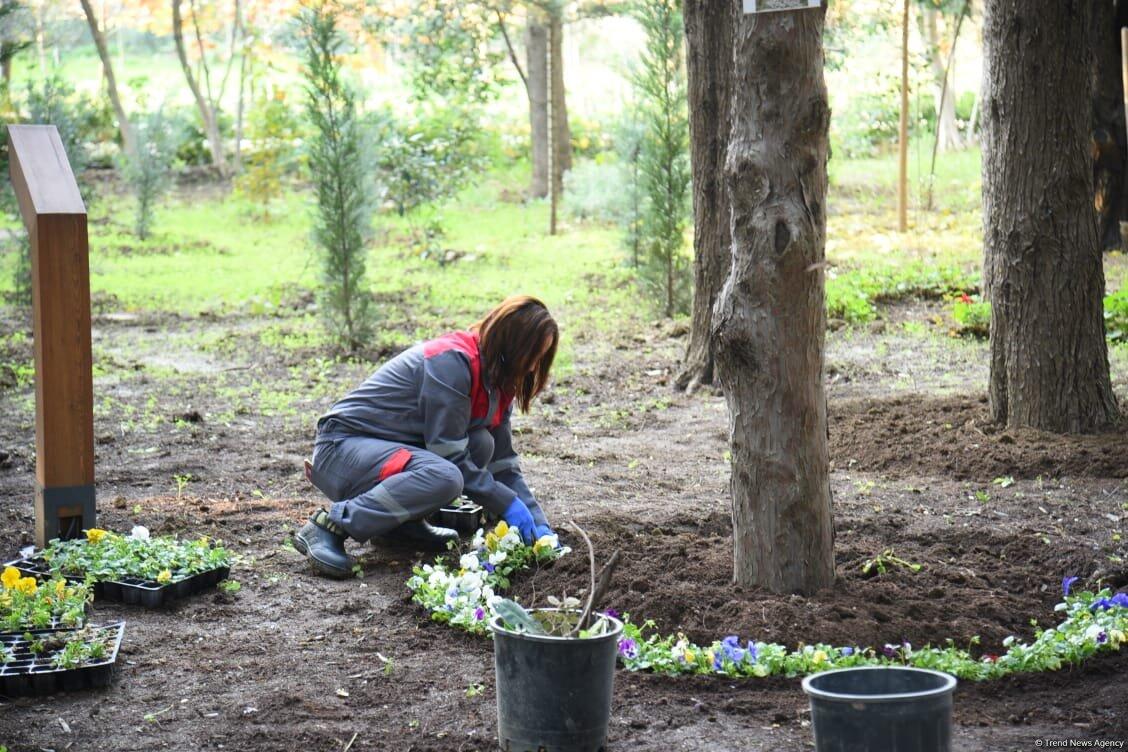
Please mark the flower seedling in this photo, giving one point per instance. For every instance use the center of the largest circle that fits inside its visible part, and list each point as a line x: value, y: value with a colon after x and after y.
x: 475, y: 689
x: 27, y: 604
x: 109, y: 556
x: 885, y: 561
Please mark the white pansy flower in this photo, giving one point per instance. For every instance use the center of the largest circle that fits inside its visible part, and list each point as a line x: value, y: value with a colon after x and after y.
x: 139, y: 532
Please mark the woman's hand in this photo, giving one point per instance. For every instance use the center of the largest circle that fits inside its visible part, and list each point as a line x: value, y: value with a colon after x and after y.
x: 518, y: 515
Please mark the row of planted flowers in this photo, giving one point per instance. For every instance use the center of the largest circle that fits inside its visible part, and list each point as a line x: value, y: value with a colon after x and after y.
x: 464, y: 595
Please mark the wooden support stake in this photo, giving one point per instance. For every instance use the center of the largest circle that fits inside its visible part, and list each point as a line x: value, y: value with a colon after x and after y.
x: 903, y: 145
x: 55, y: 217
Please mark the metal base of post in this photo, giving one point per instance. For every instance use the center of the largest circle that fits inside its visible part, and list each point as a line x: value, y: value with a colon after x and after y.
x: 63, y: 512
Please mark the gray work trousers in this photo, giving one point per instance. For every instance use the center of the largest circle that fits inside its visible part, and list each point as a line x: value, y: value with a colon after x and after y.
x: 377, y: 485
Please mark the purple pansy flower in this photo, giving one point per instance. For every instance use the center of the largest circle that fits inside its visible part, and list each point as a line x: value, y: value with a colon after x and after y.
x: 1067, y: 585
x: 1102, y: 638
x: 479, y: 613
x: 612, y: 613
x: 730, y: 647
x: 1104, y: 604
x: 1120, y: 599
x: 628, y: 648
x: 488, y: 567
x: 889, y: 651
x: 847, y: 651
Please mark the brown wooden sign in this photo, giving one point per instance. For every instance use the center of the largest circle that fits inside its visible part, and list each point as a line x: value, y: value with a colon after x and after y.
x: 55, y: 217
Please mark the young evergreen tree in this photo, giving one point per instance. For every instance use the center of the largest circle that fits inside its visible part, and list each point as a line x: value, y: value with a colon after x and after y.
x: 148, y: 172
x: 345, y: 197
x: 664, y: 156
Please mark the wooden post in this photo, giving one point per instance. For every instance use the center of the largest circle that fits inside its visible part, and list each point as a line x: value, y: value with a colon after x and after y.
x: 55, y: 217
x: 903, y: 146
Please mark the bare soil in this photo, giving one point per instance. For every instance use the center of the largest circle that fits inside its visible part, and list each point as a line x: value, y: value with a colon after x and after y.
x: 295, y: 662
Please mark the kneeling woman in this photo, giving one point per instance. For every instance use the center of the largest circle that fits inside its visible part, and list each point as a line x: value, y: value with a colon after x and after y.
x: 431, y: 423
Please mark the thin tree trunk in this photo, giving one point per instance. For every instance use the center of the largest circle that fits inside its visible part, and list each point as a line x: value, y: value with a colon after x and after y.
x: 126, y: 127
x: 770, y: 321
x: 561, y: 133
x: 207, y: 113
x: 946, y: 129
x: 708, y: 28
x: 903, y: 130
x: 536, y: 84
x: 1043, y: 267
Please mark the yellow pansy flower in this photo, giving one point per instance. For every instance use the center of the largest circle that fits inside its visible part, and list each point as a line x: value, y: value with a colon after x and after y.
x: 491, y: 541
x: 1116, y: 637
x: 95, y: 535
x: 501, y: 529
x: 164, y: 577
x: 10, y: 577
x: 819, y: 656
x: 27, y: 585
x: 60, y: 588
x: 690, y: 657
x: 543, y: 543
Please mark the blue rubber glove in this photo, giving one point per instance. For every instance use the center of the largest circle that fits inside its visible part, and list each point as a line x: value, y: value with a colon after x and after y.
x: 518, y: 515
x: 543, y: 530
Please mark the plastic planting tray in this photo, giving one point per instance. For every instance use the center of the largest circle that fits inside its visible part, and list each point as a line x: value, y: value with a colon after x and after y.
x: 27, y: 674
x: 134, y: 591
x: 465, y: 517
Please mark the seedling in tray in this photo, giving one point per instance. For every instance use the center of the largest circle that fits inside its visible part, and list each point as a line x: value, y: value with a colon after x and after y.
x: 136, y: 568
x: 46, y: 661
x: 26, y: 603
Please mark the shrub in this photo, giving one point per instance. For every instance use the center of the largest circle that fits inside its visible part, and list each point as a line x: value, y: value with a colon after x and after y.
x: 149, y: 174
x: 345, y: 195
x: 1116, y: 315
x: 596, y: 190
x: 972, y: 315
x: 270, y: 130
x: 869, y: 121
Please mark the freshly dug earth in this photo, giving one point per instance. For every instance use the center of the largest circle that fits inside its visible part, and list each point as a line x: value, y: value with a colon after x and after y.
x: 295, y: 662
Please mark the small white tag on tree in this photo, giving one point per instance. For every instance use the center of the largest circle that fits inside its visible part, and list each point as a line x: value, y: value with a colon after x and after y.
x: 770, y: 6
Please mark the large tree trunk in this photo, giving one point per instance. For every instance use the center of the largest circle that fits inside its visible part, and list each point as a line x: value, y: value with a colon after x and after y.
x: 770, y: 318
x: 1108, y: 141
x: 1043, y: 268
x: 124, y: 125
x: 536, y: 84
x: 561, y: 132
x: 207, y: 112
x: 708, y: 34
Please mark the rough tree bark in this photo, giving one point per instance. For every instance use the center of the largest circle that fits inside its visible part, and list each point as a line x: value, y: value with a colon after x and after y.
x: 770, y: 321
x: 207, y: 112
x: 1109, y: 144
x: 1042, y: 258
x: 124, y: 125
x: 949, y: 133
x: 708, y: 29
x: 536, y: 84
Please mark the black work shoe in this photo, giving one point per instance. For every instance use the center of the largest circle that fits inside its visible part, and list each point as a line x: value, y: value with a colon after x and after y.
x: 419, y: 534
x: 323, y: 542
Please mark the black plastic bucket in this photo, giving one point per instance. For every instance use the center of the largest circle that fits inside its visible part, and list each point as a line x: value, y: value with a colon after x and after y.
x: 881, y: 709
x: 554, y: 693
